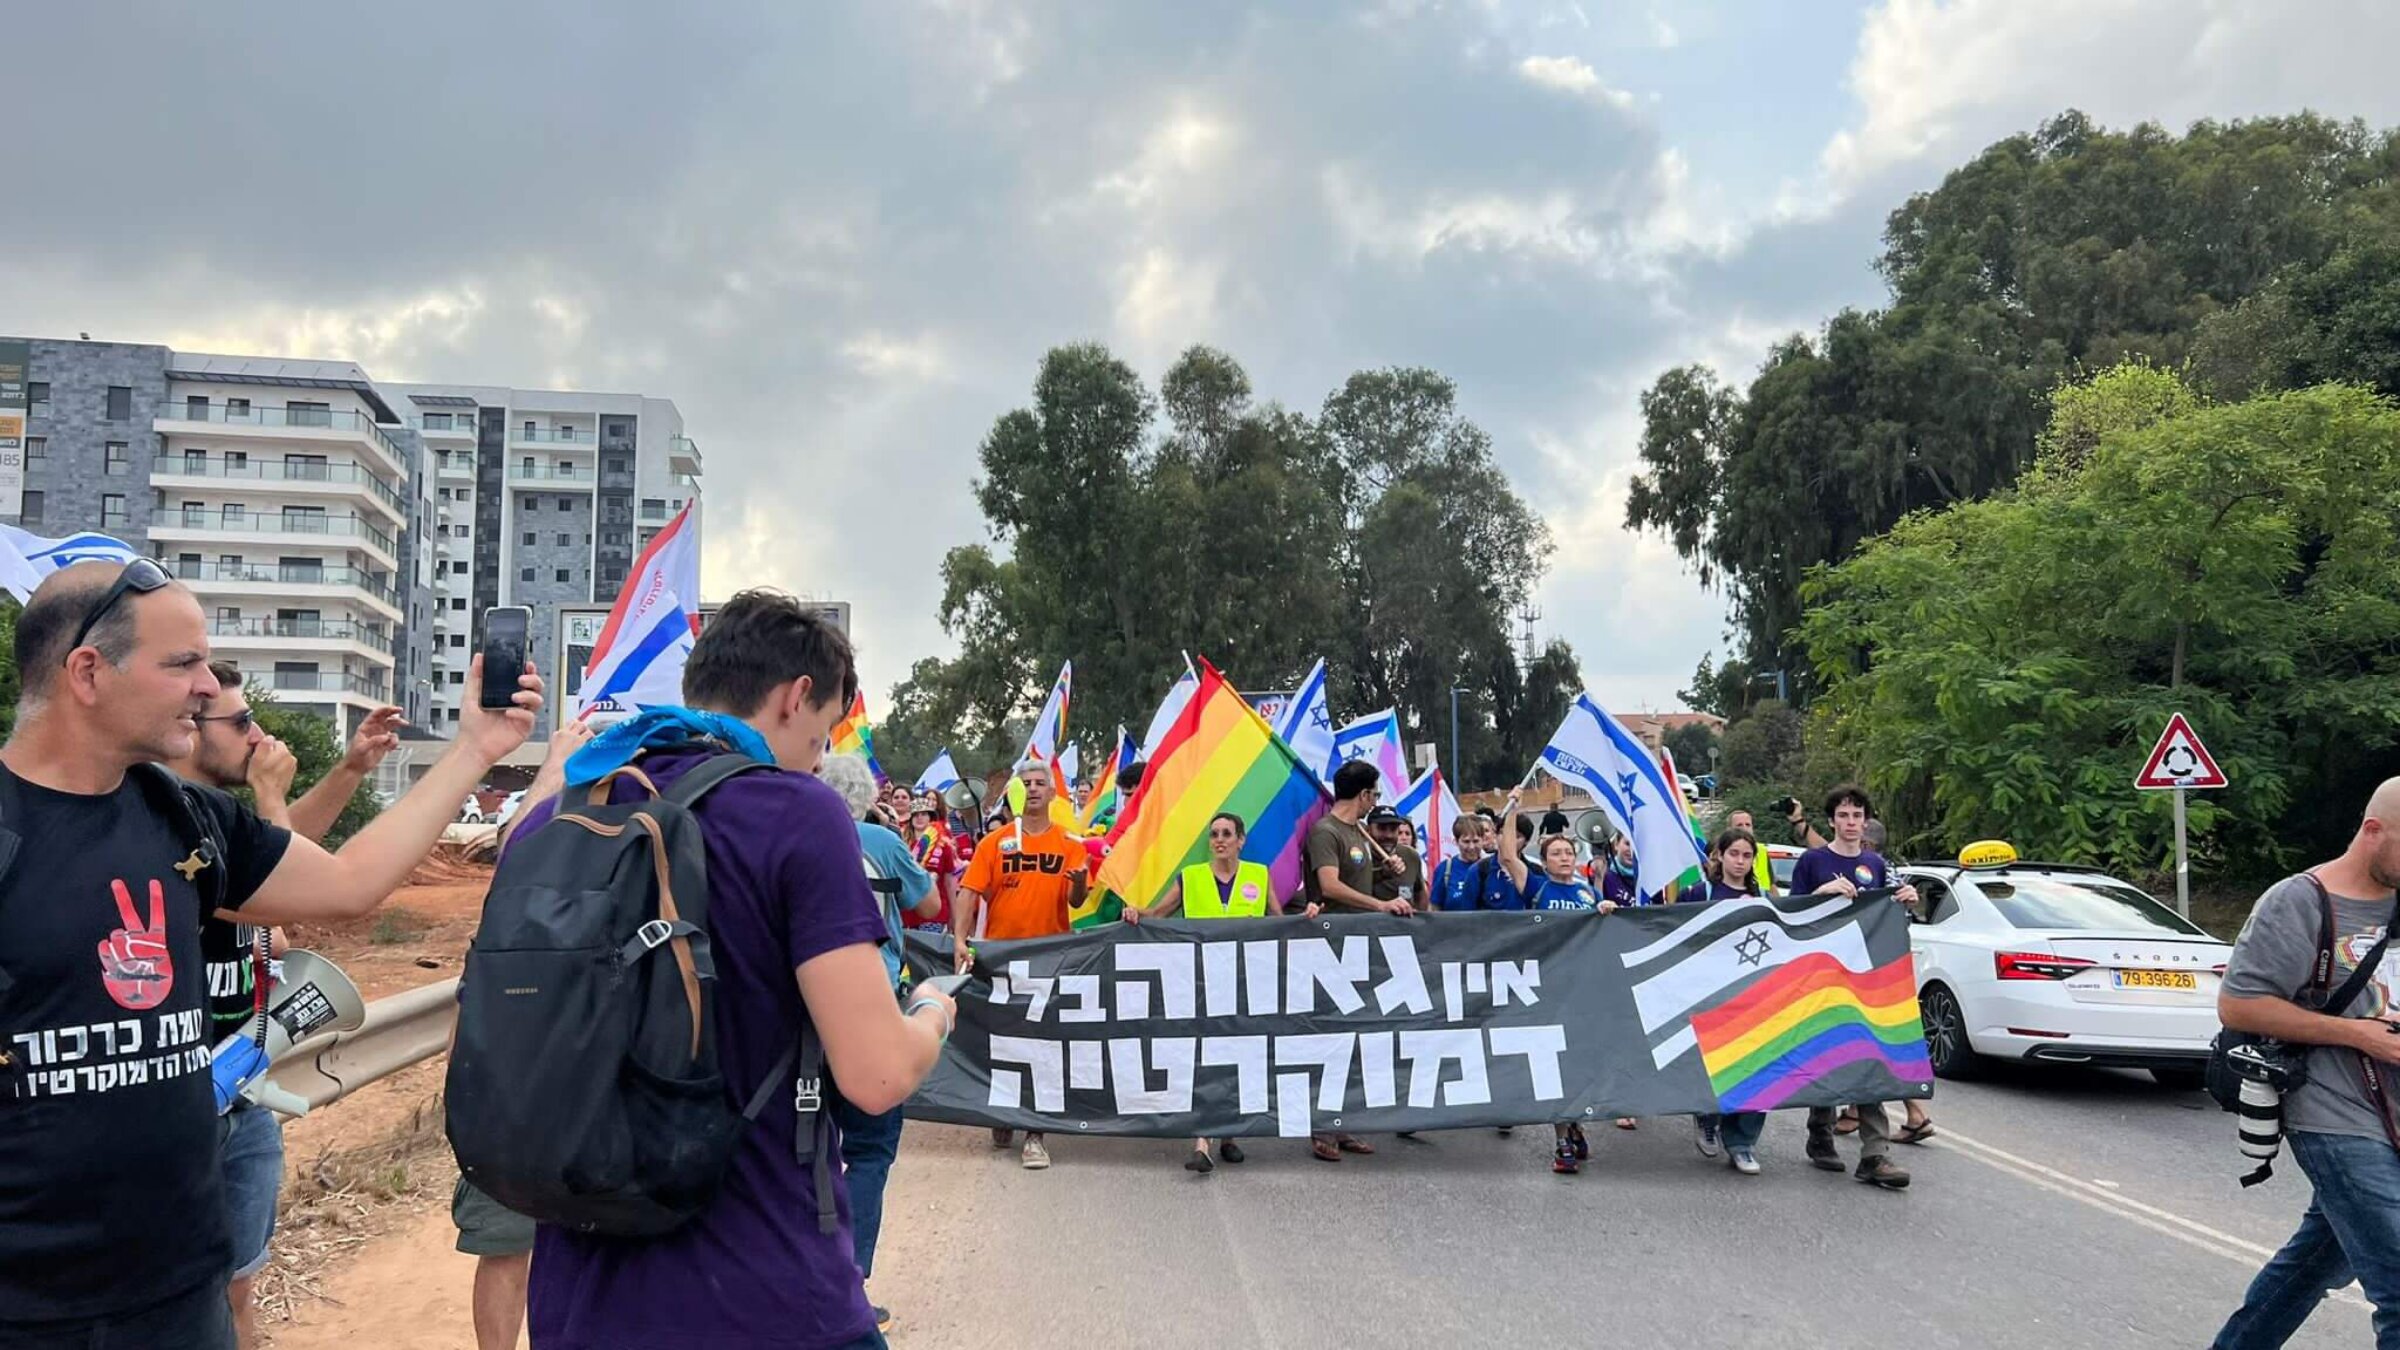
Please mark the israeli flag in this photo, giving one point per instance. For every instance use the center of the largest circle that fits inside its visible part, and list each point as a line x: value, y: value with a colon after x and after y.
x: 1374, y: 738
x: 1431, y: 811
x: 1307, y: 724
x: 939, y: 775
x: 26, y: 558
x: 1593, y: 751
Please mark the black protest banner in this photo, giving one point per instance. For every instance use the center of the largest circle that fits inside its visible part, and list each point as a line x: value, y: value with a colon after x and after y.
x: 1377, y: 1022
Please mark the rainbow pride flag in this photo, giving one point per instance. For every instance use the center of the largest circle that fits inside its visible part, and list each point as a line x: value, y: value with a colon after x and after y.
x: 1100, y: 809
x: 854, y: 736
x: 1805, y: 1019
x: 1219, y: 755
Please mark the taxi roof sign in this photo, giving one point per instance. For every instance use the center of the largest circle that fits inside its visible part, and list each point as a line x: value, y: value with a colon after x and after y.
x: 2179, y: 760
x: 1987, y: 853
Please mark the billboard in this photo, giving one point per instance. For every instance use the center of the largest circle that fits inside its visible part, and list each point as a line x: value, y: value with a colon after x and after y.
x: 15, y: 407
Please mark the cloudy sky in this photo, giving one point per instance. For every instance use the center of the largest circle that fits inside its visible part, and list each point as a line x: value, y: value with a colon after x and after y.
x: 841, y: 236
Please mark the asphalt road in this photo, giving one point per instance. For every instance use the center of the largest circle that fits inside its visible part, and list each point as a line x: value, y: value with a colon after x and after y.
x: 2054, y: 1210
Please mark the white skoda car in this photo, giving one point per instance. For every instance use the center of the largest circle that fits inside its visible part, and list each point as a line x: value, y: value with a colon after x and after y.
x: 2058, y: 964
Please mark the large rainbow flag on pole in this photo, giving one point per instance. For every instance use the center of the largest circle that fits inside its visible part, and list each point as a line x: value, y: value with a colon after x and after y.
x: 853, y: 735
x: 1219, y: 755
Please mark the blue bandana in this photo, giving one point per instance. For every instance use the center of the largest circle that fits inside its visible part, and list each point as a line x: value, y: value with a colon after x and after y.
x: 653, y: 728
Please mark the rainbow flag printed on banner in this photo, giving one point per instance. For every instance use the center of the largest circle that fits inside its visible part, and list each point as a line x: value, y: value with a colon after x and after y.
x: 1806, y: 1018
x: 1219, y: 755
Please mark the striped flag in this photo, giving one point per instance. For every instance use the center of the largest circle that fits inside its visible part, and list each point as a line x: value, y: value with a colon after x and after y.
x: 854, y: 735
x: 1429, y: 807
x: 665, y: 580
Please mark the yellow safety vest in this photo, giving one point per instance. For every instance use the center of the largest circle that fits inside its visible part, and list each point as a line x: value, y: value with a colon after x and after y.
x: 1251, y: 887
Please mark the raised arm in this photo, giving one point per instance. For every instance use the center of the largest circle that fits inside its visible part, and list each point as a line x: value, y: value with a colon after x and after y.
x: 322, y: 804
x: 311, y: 884
x: 1512, y: 851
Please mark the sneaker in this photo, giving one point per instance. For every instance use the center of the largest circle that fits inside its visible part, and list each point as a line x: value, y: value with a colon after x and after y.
x: 1821, y: 1153
x: 1710, y: 1146
x: 1198, y: 1162
x: 883, y: 1318
x: 1232, y: 1151
x: 1036, y: 1157
x: 1563, y: 1160
x: 1882, y: 1172
x: 1576, y: 1141
x: 1003, y: 1138
x: 1744, y: 1161
x: 1507, y: 1130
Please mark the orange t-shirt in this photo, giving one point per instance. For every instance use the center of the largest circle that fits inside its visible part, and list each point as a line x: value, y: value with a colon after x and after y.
x: 1026, y: 883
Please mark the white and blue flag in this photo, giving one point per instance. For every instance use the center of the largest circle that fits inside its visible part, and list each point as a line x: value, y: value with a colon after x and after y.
x: 939, y: 775
x: 26, y: 558
x: 1177, y: 696
x: 1432, y: 811
x: 1593, y: 751
x: 1307, y: 724
x: 1374, y: 738
x: 643, y: 668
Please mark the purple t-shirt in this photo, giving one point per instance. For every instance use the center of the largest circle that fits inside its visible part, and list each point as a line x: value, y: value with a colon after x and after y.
x: 1867, y: 871
x: 752, y: 1272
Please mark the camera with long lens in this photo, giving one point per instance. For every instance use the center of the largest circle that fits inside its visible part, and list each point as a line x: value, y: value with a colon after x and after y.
x: 2267, y: 1070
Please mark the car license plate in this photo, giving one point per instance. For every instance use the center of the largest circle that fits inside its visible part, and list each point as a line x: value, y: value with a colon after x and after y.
x: 2157, y: 979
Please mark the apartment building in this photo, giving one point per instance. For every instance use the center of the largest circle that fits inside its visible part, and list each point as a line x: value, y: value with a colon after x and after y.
x: 541, y: 498
x: 345, y: 537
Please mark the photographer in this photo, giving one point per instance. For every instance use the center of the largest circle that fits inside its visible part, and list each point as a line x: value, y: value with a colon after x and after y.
x: 2340, y: 1121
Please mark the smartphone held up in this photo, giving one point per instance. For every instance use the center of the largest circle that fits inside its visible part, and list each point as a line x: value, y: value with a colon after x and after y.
x: 506, y: 630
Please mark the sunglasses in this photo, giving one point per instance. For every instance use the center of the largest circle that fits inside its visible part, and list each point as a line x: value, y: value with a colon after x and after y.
x: 241, y: 721
x: 1223, y: 834
x: 142, y: 575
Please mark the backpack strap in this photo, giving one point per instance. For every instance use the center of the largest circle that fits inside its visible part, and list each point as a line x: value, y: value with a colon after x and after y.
x: 195, y: 827
x: 704, y: 777
x: 813, y: 1143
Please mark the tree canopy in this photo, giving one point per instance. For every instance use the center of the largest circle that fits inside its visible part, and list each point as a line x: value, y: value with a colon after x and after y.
x: 1130, y: 528
x: 2265, y: 254
x: 2000, y: 667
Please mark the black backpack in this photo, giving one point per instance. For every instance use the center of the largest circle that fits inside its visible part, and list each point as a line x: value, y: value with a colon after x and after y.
x: 584, y: 1089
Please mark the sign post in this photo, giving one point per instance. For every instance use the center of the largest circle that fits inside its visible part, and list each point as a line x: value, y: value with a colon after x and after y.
x: 2179, y: 763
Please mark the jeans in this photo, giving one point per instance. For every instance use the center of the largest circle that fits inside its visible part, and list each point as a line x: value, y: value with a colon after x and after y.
x: 869, y: 1144
x: 2351, y: 1230
x: 196, y: 1320
x: 1740, y: 1129
x: 253, y: 1159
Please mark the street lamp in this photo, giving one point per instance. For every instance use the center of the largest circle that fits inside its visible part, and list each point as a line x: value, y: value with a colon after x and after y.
x: 1455, y: 691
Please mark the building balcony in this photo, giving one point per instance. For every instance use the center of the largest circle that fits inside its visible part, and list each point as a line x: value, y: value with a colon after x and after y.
x: 456, y: 424
x: 578, y: 436
x: 296, y: 425
x: 277, y: 634
x: 280, y: 581
x: 320, y: 682
x: 200, y: 474
x: 215, y: 526
x: 457, y: 464
x: 574, y: 475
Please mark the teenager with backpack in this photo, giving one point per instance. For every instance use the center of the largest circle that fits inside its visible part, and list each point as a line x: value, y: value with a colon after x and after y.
x: 113, y: 1225
x: 695, y: 1200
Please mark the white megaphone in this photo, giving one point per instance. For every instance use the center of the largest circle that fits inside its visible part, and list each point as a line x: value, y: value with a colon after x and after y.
x: 309, y: 997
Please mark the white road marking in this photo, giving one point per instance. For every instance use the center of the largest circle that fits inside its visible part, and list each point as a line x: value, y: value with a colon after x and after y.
x: 2101, y: 1196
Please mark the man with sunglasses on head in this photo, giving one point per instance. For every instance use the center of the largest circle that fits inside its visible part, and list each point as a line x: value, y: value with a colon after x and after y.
x: 234, y: 751
x: 112, y: 1208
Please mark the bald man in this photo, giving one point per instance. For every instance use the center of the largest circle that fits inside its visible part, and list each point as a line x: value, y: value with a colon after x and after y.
x: 113, y: 1227
x: 2342, y: 1123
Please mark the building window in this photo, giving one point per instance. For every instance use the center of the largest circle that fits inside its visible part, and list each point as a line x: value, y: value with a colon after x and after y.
x: 564, y: 574
x: 679, y: 503
x: 566, y: 503
x: 116, y: 462
x: 445, y: 494
x: 308, y: 468
x: 299, y: 414
x: 437, y: 422
x: 458, y: 677
x: 304, y: 519
x: 236, y: 461
x: 530, y: 537
x: 458, y: 569
x: 613, y: 538
x: 195, y: 461
x: 458, y: 639
x: 195, y: 407
x: 453, y: 714
x: 112, y: 510
x: 654, y: 507
x: 565, y: 539
x: 31, y: 512
x: 234, y: 515
x: 225, y: 613
x: 524, y: 574
x: 237, y: 410
x: 529, y: 435
x: 458, y: 602
x: 37, y: 393
x: 37, y: 450
x: 532, y: 504
x: 466, y: 494
x: 120, y: 403
x: 229, y: 564
x: 195, y: 513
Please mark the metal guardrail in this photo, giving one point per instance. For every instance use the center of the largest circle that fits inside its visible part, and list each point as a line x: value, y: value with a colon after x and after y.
x: 400, y: 1030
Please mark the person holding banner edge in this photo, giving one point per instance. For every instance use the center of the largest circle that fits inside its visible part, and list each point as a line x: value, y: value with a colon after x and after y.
x: 1845, y: 866
x: 1732, y: 875
x: 1558, y: 886
x: 1225, y: 887
x: 1339, y: 875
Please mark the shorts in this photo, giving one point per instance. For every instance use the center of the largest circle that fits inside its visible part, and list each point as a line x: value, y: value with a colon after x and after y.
x: 485, y: 1226
x: 252, y: 1155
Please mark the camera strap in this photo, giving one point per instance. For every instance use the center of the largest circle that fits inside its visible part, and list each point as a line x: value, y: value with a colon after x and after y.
x: 2371, y: 1074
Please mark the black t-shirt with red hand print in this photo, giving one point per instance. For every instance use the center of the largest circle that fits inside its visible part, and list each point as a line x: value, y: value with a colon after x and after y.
x: 110, y: 1186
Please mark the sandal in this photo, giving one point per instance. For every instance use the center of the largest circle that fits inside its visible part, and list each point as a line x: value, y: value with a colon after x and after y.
x: 1914, y: 1134
x: 1323, y: 1151
x: 1627, y: 1123
x: 1847, y: 1122
x: 1350, y: 1145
